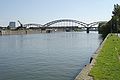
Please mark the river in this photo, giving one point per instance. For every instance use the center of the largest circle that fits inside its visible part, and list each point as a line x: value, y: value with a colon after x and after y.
x: 54, y: 56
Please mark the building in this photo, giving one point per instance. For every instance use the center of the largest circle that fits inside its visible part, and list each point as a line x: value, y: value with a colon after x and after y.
x: 12, y: 25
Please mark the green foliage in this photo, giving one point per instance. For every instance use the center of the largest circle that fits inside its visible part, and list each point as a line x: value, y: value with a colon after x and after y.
x: 115, y: 21
x: 107, y: 66
x: 116, y: 11
x: 104, y: 29
x: 114, y: 24
x: 101, y: 26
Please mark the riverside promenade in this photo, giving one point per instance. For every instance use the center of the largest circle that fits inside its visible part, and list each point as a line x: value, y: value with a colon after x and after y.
x: 105, y: 62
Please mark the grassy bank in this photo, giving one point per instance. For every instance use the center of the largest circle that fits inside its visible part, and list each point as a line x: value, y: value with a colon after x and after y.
x: 107, y: 66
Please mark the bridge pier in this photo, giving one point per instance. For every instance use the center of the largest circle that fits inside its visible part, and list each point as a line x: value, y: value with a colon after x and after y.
x: 87, y: 30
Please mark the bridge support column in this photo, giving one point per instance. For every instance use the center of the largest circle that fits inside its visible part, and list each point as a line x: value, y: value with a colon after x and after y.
x: 87, y: 30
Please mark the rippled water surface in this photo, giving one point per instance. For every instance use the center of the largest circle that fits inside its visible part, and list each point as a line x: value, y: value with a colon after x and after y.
x: 54, y: 56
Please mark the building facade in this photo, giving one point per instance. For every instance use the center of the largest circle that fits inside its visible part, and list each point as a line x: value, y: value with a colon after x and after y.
x: 12, y: 24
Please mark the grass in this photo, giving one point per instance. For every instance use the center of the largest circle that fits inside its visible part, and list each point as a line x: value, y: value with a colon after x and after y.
x: 107, y: 66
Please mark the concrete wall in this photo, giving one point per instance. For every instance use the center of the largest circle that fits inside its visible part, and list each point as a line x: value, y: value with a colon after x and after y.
x: 19, y: 32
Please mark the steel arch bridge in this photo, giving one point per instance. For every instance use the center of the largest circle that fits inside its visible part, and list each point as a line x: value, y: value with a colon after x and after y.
x: 64, y: 20
x: 48, y: 25
x: 88, y: 27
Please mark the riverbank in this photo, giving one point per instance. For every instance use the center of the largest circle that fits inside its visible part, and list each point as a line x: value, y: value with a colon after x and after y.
x: 22, y: 32
x: 105, y: 63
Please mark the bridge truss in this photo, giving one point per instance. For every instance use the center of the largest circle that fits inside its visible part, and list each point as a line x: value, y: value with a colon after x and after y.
x: 65, y: 23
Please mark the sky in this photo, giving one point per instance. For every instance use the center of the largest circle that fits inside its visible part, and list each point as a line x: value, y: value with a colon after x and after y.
x: 43, y: 11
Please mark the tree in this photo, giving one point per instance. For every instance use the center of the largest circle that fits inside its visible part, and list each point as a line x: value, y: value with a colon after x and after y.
x: 116, y: 18
x: 114, y: 24
x: 116, y: 11
x: 100, y: 27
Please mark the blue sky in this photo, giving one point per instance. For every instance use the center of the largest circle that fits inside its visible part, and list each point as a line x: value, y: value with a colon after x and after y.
x: 43, y: 11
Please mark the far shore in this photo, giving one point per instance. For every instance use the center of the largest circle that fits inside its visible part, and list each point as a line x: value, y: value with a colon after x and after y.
x: 20, y: 32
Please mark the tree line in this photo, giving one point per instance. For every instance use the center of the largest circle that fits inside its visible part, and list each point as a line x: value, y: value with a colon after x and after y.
x: 112, y: 26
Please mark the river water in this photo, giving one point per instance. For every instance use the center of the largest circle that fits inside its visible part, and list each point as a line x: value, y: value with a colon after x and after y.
x: 54, y: 56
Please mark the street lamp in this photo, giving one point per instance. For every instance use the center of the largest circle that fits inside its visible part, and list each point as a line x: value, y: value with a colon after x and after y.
x: 117, y: 25
x: 111, y: 27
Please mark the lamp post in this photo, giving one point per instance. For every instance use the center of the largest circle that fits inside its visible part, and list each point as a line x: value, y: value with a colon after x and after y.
x: 117, y: 25
x: 111, y: 27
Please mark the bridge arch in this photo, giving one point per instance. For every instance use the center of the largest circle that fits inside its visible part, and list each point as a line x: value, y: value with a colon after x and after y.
x: 64, y: 20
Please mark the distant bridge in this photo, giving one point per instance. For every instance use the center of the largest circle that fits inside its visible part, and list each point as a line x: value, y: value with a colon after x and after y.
x: 31, y: 25
x: 66, y: 24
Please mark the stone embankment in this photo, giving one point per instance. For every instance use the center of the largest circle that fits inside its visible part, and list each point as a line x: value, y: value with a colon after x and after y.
x: 21, y: 32
x: 84, y: 74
